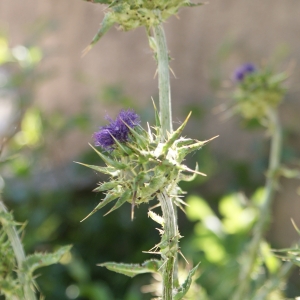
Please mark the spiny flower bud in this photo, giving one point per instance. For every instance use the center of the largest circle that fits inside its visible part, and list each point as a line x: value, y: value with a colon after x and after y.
x: 257, y: 91
x: 130, y: 14
x: 139, y: 164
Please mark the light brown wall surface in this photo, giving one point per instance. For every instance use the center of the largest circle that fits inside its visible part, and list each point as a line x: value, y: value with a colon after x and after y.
x: 252, y: 29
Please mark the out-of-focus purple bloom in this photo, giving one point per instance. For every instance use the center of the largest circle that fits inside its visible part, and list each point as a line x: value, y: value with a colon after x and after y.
x: 243, y: 70
x: 117, y: 128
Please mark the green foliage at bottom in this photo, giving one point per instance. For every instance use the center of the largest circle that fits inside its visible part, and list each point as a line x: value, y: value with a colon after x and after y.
x: 16, y: 270
x: 221, y: 241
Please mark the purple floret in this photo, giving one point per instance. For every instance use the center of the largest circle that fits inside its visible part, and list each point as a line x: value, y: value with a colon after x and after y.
x: 243, y: 70
x: 116, y: 128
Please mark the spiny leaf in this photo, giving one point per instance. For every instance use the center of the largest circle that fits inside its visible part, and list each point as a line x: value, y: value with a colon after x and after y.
x: 183, y: 289
x: 131, y: 270
x: 106, y: 24
x: 109, y: 197
x: 175, y: 135
x: 121, y: 146
x: 105, y: 170
x: 124, y: 198
x: 187, y: 169
x: 6, y: 219
x: 188, y: 178
x: 38, y: 260
x: 106, y: 186
x: 183, y: 151
x: 110, y: 161
x: 156, y: 183
x: 141, y: 178
x: 142, y: 154
x: 139, y: 138
x: 183, y: 142
x: 200, y: 144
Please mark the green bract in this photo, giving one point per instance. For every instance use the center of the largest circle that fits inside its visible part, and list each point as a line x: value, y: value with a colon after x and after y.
x: 144, y: 166
x: 259, y: 92
x: 131, y: 14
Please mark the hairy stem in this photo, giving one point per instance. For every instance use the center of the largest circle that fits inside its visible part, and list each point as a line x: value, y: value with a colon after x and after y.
x: 16, y: 244
x: 170, y: 278
x: 264, y: 217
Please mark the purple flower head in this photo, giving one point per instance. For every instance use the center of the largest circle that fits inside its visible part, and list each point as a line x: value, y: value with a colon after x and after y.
x: 117, y: 129
x: 243, y: 70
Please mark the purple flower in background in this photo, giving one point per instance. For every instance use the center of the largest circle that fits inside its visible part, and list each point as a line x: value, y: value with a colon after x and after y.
x: 117, y: 128
x: 243, y: 70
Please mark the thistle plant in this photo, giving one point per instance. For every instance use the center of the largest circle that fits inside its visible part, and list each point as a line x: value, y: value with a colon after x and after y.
x: 142, y: 167
x: 147, y: 164
x: 258, y: 92
x: 135, y: 13
x: 257, y: 96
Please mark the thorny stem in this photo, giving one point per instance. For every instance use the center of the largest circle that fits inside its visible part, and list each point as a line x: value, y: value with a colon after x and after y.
x: 259, y: 229
x: 170, y: 277
x: 19, y: 255
x: 169, y: 258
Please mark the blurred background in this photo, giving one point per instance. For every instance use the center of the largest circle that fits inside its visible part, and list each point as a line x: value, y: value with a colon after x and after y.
x: 52, y: 100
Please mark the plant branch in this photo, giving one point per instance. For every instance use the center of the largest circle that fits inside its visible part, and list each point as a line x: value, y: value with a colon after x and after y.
x: 264, y: 217
x: 169, y: 249
x: 170, y: 277
x: 19, y: 255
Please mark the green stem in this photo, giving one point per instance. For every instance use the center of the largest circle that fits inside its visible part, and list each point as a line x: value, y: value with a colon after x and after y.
x: 163, y: 80
x: 170, y: 277
x: 264, y: 217
x: 170, y: 250
x: 275, y: 282
x: 19, y: 255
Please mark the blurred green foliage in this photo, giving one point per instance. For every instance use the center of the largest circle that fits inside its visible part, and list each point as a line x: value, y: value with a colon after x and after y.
x: 219, y: 240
